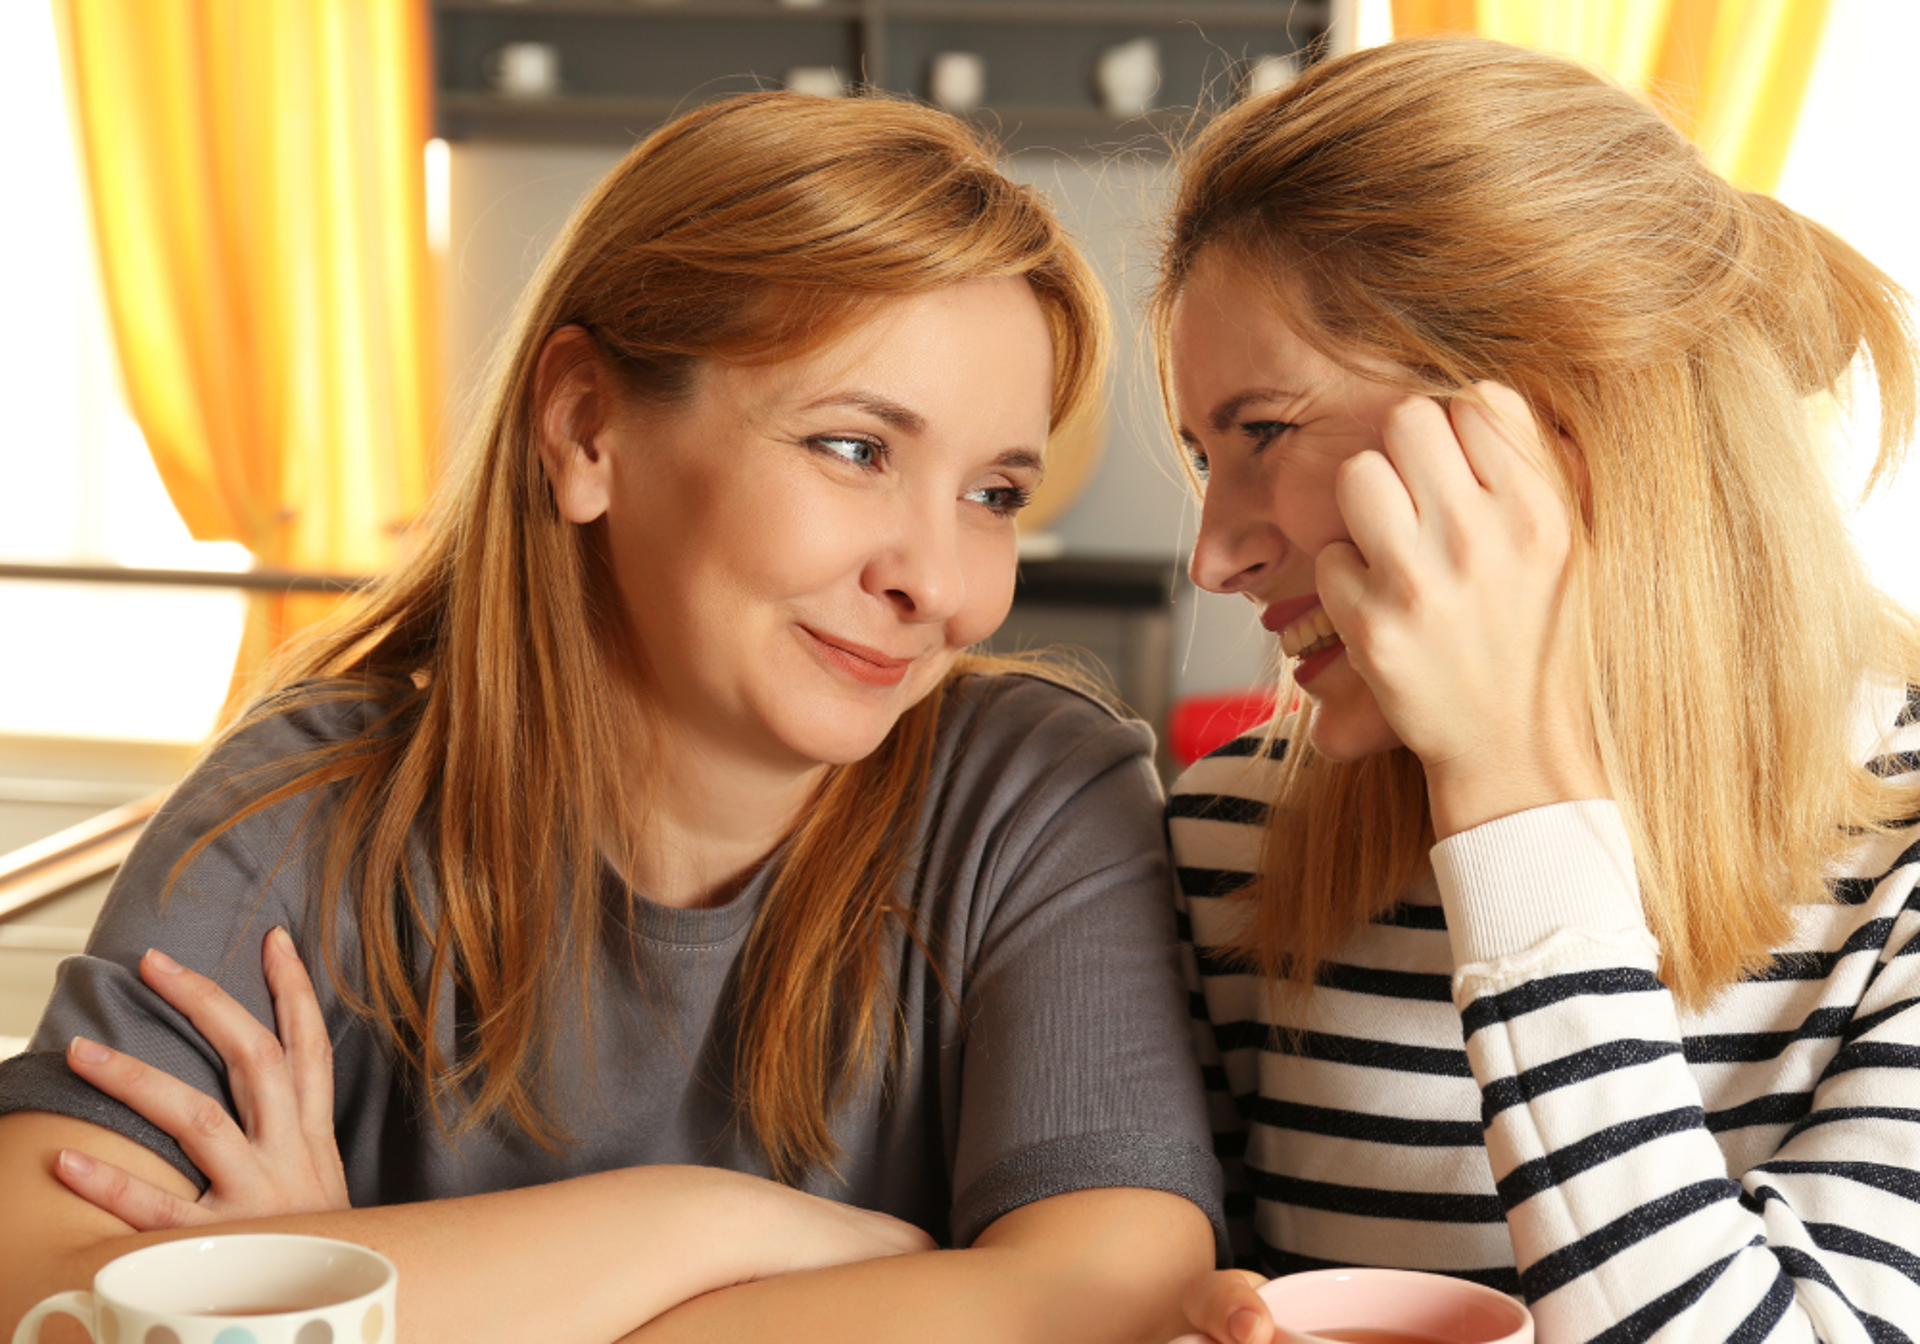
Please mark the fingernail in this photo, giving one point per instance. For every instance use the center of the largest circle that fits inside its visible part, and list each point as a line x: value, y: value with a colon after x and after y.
x: 282, y: 940
x: 77, y: 1164
x: 90, y: 1052
x: 160, y: 961
x: 1241, y: 1325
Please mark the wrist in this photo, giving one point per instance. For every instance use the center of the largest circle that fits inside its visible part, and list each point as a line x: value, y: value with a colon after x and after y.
x: 1512, y: 885
x: 715, y: 1227
x: 1472, y: 790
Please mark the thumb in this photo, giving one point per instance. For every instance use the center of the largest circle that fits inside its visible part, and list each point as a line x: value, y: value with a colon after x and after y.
x: 1226, y: 1306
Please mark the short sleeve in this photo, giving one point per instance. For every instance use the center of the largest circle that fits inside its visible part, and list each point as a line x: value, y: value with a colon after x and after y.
x: 1080, y: 1070
x: 210, y: 912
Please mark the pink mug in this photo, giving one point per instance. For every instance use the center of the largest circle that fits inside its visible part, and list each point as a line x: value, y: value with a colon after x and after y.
x: 1388, y: 1306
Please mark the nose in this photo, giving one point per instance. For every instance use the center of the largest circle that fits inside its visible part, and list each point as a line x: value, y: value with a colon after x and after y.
x: 1236, y: 545
x: 917, y: 567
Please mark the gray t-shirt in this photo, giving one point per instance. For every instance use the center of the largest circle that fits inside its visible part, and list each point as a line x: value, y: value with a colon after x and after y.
x: 1060, y: 1061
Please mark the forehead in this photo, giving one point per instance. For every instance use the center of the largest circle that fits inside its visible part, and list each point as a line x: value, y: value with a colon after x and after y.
x: 1228, y: 327
x: 923, y: 348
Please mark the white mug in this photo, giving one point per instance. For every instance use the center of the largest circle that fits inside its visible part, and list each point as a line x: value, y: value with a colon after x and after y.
x: 250, y: 1288
x: 525, y: 69
x: 958, y: 80
x: 1128, y: 76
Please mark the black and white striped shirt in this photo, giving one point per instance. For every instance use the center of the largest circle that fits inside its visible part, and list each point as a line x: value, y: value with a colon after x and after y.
x: 1491, y: 1082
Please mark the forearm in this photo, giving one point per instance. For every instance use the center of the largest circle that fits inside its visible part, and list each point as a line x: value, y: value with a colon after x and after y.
x: 1617, y: 1193
x: 1101, y: 1266
x: 616, y: 1248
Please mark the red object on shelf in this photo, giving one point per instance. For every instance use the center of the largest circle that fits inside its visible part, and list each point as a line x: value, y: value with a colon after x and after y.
x: 1200, y: 723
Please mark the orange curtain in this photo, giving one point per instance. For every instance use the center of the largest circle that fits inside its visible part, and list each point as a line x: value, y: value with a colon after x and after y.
x: 1731, y: 74
x: 258, y: 196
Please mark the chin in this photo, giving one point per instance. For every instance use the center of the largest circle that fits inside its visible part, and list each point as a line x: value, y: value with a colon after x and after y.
x: 1344, y: 731
x: 838, y: 736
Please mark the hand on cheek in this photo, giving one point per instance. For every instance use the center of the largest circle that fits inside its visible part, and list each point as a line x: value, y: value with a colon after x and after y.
x: 1454, y: 601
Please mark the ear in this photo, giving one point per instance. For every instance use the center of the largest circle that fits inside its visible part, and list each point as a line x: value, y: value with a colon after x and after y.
x: 1582, y: 479
x: 575, y: 398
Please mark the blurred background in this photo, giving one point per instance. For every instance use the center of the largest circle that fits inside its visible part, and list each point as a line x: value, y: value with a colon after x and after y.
x: 256, y: 256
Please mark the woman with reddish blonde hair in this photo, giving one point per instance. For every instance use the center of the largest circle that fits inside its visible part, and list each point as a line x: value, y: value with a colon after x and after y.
x: 707, y: 946
x: 1566, y: 937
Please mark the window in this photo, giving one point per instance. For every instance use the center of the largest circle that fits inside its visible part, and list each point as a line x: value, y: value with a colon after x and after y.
x: 85, y: 660
x: 1847, y: 169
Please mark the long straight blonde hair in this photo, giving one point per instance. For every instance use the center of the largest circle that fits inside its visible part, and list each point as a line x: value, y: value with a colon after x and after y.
x: 1465, y: 210
x: 752, y: 229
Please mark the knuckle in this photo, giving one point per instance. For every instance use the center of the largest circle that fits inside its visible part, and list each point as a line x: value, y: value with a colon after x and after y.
x: 1463, y: 549
x: 115, y: 1185
x: 263, y: 1053
x: 1356, y: 467
x: 1360, y: 627
x: 167, y: 1214
x: 133, y: 1071
x: 1542, y: 532
x: 208, y: 1117
x: 1406, y: 413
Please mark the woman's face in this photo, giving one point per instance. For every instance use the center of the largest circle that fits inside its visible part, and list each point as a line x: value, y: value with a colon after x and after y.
x: 1270, y: 420
x: 803, y: 548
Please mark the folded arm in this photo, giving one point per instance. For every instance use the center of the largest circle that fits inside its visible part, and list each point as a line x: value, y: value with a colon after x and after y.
x: 1106, y: 1266
x: 572, y: 1247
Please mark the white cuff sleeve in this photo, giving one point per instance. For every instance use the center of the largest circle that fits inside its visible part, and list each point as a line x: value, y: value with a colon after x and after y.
x: 1513, y: 883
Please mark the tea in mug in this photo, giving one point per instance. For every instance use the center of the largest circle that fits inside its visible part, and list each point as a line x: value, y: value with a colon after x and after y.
x: 268, y: 1308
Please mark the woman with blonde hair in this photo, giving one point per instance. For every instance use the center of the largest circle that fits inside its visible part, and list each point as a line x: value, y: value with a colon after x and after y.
x: 1564, y: 937
x: 712, y: 947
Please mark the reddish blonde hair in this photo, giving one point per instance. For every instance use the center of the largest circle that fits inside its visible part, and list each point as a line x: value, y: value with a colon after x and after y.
x: 1464, y: 210
x: 752, y: 229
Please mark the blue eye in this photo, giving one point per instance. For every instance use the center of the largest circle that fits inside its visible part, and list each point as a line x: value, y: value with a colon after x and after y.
x: 1263, y: 432
x: 1197, y: 456
x: 861, y: 452
x: 1002, y: 500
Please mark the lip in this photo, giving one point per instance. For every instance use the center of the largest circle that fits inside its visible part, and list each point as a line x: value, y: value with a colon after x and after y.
x: 1277, y: 616
x: 1311, y: 666
x: 867, y: 665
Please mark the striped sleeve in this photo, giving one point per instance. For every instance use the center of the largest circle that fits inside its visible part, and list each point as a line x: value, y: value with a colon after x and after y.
x: 1628, y: 1221
x: 1230, y: 814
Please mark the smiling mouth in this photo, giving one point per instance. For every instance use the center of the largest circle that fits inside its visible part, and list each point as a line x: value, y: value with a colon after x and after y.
x: 1309, y: 634
x: 857, y: 660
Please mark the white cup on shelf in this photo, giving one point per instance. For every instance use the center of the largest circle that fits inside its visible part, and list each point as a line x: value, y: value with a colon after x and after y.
x: 822, y: 81
x: 957, y: 80
x: 1128, y: 76
x: 524, y: 70
x: 1264, y: 74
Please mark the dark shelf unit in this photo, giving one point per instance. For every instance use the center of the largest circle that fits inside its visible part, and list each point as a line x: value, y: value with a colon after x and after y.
x: 628, y: 65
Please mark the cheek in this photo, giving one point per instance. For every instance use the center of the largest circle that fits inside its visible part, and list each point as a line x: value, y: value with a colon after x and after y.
x: 792, y: 541
x: 1308, y: 506
x: 989, y: 565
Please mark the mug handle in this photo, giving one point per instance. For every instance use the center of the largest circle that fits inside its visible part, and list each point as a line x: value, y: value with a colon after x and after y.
x: 77, y: 1305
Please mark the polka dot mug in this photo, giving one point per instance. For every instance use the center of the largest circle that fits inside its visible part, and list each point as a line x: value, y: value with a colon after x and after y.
x: 252, y: 1288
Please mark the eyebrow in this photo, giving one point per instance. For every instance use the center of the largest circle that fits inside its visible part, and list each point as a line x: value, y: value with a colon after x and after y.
x: 908, y: 421
x: 1022, y: 458
x: 1221, y: 419
x: 880, y: 408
